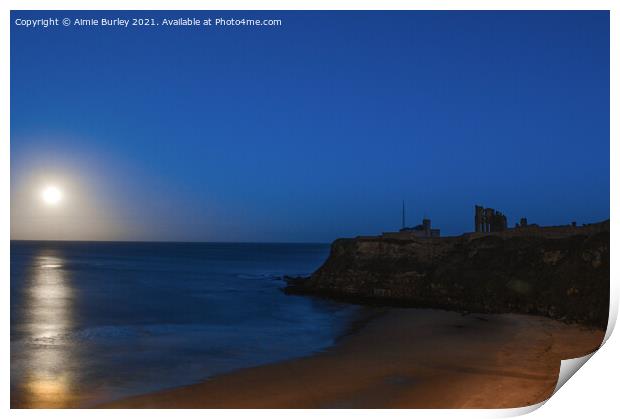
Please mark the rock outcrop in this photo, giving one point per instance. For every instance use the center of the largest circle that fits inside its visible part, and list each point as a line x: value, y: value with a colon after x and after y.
x: 565, y: 278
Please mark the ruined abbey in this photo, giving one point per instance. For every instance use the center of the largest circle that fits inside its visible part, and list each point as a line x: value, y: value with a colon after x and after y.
x: 488, y: 220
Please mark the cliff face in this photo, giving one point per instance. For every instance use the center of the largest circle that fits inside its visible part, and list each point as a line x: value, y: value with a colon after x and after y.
x: 564, y: 278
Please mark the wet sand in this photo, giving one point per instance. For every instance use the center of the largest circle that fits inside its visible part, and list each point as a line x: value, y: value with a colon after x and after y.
x: 405, y: 358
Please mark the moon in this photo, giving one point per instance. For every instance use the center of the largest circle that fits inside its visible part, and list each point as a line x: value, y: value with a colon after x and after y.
x: 51, y: 195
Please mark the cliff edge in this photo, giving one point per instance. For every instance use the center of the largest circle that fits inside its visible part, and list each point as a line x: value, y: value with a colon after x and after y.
x: 564, y: 277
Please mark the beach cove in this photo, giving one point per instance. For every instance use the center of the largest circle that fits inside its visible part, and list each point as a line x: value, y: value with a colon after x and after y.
x: 404, y: 358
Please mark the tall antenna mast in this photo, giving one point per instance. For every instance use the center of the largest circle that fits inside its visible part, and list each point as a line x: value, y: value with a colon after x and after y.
x: 403, y: 214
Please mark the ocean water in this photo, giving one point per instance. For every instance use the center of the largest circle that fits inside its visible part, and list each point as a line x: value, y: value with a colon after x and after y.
x: 92, y: 322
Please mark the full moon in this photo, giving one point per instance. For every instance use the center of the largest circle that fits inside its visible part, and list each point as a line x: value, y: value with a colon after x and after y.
x: 52, y: 195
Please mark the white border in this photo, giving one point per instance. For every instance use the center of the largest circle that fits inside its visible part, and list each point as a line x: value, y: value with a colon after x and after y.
x: 592, y: 393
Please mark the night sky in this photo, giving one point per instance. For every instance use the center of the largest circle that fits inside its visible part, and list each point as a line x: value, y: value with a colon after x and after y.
x: 311, y: 131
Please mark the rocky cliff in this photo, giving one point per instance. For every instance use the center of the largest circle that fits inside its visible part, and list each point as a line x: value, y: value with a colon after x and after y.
x: 564, y: 278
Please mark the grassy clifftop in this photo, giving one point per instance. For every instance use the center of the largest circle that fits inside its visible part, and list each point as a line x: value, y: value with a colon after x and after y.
x: 563, y: 278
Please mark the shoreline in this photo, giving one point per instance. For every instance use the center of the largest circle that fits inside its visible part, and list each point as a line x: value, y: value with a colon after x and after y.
x: 402, y: 358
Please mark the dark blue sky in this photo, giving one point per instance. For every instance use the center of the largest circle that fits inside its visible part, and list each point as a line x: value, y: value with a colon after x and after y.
x: 316, y: 129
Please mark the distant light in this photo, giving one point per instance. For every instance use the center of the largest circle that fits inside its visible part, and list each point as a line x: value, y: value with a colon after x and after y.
x: 52, y: 195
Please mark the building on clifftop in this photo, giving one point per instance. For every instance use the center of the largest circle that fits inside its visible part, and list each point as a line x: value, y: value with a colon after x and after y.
x: 489, y: 220
x: 421, y: 230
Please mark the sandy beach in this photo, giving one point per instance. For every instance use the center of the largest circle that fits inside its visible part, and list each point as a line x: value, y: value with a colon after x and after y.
x: 403, y: 358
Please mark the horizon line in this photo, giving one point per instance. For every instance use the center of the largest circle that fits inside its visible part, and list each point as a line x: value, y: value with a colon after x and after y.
x: 166, y: 241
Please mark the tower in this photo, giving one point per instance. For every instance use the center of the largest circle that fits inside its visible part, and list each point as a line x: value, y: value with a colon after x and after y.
x: 479, y: 219
x: 403, y: 216
x: 426, y: 223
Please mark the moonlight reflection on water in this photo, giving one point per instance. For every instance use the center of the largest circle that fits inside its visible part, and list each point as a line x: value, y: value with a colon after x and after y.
x: 50, y: 315
x: 95, y: 321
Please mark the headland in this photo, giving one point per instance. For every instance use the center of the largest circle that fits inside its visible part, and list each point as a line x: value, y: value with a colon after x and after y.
x: 489, y: 316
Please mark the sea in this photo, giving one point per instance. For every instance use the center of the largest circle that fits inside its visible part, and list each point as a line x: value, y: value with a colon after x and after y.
x: 97, y: 321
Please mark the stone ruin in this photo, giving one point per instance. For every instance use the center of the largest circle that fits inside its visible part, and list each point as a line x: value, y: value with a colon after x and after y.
x: 489, y: 220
